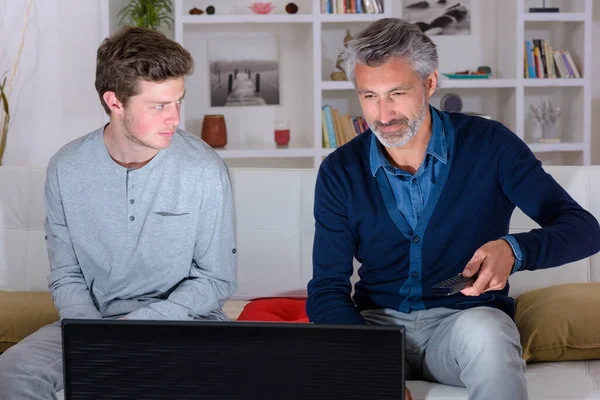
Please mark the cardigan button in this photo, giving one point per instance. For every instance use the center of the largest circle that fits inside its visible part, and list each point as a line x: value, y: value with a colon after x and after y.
x: 415, y: 274
x: 416, y: 239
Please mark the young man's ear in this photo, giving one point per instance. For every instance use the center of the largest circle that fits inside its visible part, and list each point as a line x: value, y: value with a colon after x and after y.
x: 115, y: 106
x: 432, y: 82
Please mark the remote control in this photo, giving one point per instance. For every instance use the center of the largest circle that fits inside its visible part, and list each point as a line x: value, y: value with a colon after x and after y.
x: 452, y: 285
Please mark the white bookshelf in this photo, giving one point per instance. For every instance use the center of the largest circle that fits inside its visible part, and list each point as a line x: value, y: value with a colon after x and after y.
x: 308, y: 43
x: 570, y: 29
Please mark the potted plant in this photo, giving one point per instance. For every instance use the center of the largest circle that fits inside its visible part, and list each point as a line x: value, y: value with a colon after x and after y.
x: 147, y: 13
x: 5, y: 118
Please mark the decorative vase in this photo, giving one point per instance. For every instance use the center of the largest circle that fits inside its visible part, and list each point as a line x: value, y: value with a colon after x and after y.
x: 214, y: 131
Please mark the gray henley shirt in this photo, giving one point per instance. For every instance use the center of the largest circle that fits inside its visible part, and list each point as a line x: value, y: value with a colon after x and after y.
x: 149, y: 243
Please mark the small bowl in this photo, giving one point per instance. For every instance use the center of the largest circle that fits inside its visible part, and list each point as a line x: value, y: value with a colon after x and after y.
x: 261, y: 7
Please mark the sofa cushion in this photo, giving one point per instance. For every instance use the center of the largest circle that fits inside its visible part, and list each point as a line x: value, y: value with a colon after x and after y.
x: 277, y: 309
x: 560, y: 322
x: 22, y: 313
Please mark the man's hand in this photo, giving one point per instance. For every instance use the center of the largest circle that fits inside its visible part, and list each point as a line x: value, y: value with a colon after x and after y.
x: 494, y: 261
x: 407, y: 395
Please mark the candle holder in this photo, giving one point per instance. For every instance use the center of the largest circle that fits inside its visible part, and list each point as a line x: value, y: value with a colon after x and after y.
x: 282, y: 133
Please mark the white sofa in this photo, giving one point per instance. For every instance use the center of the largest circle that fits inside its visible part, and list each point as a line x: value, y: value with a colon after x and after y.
x: 275, y: 228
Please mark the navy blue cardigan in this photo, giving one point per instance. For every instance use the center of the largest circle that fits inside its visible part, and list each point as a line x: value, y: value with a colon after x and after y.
x: 489, y: 172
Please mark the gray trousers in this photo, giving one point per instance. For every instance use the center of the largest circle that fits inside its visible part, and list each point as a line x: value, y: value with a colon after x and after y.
x: 478, y: 348
x: 33, y: 369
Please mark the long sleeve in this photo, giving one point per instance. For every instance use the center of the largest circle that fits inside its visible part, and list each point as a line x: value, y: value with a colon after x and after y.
x: 66, y: 282
x: 213, y: 273
x: 568, y: 232
x: 329, y: 292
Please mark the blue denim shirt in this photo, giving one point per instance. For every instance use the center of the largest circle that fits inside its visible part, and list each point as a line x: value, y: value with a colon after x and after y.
x: 412, y: 191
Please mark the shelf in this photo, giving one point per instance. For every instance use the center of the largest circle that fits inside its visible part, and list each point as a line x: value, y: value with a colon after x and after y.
x: 555, y: 147
x: 349, y: 17
x: 558, y: 82
x: 565, y: 17
x: 477, y: 83
x: 278, y: 18
x: 245, y: 19
x: 266, y: 151
x: 337, y: 85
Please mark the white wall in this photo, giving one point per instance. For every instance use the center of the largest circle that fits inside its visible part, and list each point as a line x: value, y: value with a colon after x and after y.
x: 53, y: 100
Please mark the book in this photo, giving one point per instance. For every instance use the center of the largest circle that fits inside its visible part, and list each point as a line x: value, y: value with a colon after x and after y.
x: 576, y: 73
x: 530, y: 59
x: 330, y: 128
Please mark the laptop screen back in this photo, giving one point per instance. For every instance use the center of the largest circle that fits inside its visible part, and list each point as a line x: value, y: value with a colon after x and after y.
x: 231, y: 360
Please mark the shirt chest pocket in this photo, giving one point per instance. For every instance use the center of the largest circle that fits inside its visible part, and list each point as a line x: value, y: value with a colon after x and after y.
x: 170, y: 234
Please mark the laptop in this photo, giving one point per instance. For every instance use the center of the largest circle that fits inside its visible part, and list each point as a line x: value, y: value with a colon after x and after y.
x: 126, y: 359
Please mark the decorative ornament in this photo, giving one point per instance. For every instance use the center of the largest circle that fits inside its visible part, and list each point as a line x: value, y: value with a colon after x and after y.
x: 291, y: 8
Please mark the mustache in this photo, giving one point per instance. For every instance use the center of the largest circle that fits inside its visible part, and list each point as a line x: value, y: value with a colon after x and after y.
x: 392, y: 122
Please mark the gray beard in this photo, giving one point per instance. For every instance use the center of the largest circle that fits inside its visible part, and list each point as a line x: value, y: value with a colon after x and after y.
x: 403, y: 135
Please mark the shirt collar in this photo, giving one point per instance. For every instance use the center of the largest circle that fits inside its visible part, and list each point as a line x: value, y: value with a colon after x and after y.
x: 436, y: 147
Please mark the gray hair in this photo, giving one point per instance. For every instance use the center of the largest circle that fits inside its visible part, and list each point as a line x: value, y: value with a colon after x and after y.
x: 391, y: 37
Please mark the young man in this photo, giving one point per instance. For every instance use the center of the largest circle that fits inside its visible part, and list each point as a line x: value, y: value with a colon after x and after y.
x: 421, y: 197
x: 139, y: 214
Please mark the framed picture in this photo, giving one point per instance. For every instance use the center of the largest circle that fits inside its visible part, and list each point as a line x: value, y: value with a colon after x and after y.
x: 437, y: 17
x: 243, y: 69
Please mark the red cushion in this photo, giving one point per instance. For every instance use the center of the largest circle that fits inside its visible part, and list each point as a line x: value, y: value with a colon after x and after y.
x: 277, y: 309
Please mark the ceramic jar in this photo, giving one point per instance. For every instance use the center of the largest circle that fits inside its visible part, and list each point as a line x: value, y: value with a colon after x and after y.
x: 214, y: 131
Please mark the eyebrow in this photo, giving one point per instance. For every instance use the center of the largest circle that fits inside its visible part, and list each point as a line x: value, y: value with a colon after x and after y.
x: 165, y: 102
x: 397, y: 88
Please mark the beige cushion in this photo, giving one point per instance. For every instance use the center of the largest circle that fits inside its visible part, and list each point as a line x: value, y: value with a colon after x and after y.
x: 560, y: 322
x: 22, y: 313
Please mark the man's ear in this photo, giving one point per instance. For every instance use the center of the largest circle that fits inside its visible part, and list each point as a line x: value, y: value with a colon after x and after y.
x: 114, y: 104
x: 432, y: 82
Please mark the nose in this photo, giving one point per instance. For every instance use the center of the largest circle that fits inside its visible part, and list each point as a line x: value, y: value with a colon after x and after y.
x: 173, y: 116
x: 386, y: 110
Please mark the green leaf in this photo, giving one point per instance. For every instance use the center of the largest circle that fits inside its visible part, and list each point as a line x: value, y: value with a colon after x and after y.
x: 147, y: 13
